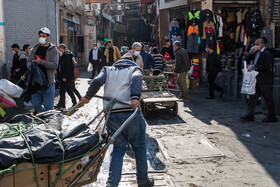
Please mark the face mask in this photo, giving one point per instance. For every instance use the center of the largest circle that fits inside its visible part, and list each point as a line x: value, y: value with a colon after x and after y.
x: 42, y: 41
x: 29, y: 52
x: 95, y: 48
x: 136, y: 53
x: 206, y: 50
x: 14, y: 52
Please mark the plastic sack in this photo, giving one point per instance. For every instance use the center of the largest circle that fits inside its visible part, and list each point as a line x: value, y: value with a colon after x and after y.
x: 76, y: 138
x: 39, y: 80
x: 89, y: 68
x: 249, y: 82
x: 10, y: 88
x: 6, y: 101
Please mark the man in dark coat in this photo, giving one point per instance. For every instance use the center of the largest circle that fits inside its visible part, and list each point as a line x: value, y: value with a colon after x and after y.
x: 168, y: 49
x: 263, y: 64
x: 95, y: 58
x: 182, y: 66
x: 213, y: 68
x: 15, y: 69
x: 66, y: 76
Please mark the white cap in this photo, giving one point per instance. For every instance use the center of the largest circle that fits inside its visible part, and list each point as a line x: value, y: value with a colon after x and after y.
x: 45, y: 30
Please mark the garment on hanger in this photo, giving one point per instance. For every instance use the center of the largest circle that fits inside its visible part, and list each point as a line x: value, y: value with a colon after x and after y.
x: 254, y: 24
x: 239, y: 16
x: 230, y: 17
x: 207, y: 15
x: 268, y: 34
x: 208, y: 26
x: 193, y: 29
x: 192, y: 43
x: 172, y: 24
x: 175, y: 31
x: 220, y: 25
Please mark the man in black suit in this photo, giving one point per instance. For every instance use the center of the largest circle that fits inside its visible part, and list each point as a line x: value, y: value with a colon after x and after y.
x: 263, y: 64
x: 213, y: 68
x: 95, y: 58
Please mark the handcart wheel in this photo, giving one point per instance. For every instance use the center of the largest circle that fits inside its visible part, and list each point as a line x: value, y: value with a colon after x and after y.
x: 175, y: 109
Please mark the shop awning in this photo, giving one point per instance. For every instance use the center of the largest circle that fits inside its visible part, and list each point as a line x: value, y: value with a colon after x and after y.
x: 109, y: 18
x: 120, y: 28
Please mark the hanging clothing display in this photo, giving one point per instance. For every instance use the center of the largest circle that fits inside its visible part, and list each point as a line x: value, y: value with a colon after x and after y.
x: 220, y: 25
x: 208, y: 27
x: 254, y: 24
x: 172, y: 24
x: 207, y: 15
x: 192, y: 43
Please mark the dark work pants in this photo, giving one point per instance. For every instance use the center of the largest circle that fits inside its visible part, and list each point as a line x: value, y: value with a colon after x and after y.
x: 266, y: 91
x: 76, y: 92
x: 66, y: 87
x: 212, y: 85
x: 97, y: 66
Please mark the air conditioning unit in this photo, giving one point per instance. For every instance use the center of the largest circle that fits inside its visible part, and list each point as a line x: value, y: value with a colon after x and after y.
x: 87, y: 7
x: 119, y: 1
x: 95, y: 6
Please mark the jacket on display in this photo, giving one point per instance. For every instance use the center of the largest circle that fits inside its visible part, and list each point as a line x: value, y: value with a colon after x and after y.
x: 207, y: 15
x: 255, y: 23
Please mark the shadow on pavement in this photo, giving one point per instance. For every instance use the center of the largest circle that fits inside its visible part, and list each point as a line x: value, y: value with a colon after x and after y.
x: 263, y: 140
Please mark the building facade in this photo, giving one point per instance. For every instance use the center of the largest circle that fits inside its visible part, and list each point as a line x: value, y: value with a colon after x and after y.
x: 21, y: 25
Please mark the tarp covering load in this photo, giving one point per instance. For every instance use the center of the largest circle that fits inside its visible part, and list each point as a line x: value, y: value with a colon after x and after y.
x: 48, y: 138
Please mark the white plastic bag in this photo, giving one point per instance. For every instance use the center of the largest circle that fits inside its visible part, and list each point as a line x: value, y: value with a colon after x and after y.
x: 6, y: 101
x: 89, y: 68
x: 249, y: 82
x: 190, y: 71
x: 10, y: 88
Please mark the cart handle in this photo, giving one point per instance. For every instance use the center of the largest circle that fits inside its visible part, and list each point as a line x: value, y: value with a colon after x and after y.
x: 111, y: 140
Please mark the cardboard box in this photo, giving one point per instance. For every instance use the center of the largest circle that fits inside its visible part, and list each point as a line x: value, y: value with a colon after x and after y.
x: 27, y: 178
x: 194, y: 84
x: 7, y: 180
x: 70, y: 175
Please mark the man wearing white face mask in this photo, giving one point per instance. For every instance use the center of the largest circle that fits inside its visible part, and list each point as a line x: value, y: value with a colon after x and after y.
x: 134, y: 54
x: 95, y: 58
x: 45, y: 55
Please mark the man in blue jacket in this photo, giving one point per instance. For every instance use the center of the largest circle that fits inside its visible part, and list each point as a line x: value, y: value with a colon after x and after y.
x: 123, y: 81
x: 148, y: 60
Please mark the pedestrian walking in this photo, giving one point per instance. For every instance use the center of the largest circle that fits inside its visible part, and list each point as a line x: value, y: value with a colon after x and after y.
x: 15, y: 69
x: 66, y: 77
x: 95, y: 58
x: 263, y: 64
x: 112, y: 54
x: 22, y: 65
x: 213, y: 68
x: 182, y: 66
x: 103, y: 48
x: 134, y: 54
x: 168, y: 49
x: 45, y: 55
x: 148, y: 60
x: 159, y: 61
x: 123, y: 81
